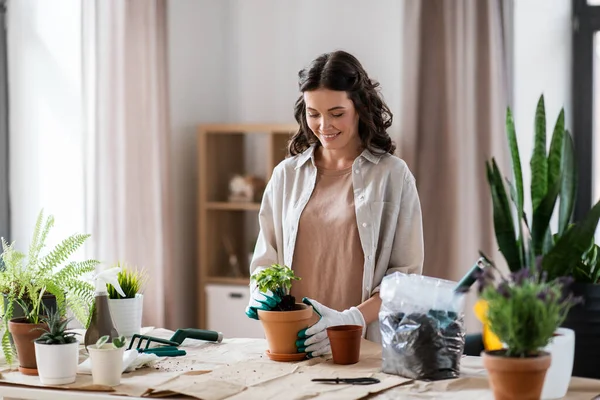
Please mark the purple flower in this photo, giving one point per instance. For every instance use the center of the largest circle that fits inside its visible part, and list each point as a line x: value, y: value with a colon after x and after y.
x: 484, y: 278
x: 543, y: 295
x: 504, y: 290
x: 520, y: 276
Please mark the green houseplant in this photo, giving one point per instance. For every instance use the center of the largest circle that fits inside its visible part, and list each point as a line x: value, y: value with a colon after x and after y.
x: 57, y: 351
x: 523, y: 237
x: 107, y: 360
x: 127, y: 311
x: 287, y: 318
x: 278, y: 279
x: 524, y: 311
x: 44, y: 274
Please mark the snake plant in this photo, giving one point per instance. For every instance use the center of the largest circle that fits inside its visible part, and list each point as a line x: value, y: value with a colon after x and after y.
x: 523, y: 236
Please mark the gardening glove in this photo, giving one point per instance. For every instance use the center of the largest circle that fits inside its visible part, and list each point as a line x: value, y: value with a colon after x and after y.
x: 260, y: 300
x: 314, y: 340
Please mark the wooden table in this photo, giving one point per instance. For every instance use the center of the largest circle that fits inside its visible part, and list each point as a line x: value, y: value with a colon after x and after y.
x: 238, y: 369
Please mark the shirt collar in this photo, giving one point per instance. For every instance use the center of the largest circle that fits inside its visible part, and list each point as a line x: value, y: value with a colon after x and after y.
x: 309, y: 154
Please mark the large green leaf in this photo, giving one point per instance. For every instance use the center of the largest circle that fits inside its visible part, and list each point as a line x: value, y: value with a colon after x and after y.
x: 556, y: 149
x: 516, y: 190
x: 570, y: 248
x: 503, y: 219
x: 569, y: 184
x: 542, y: 215
x: 539, y: 162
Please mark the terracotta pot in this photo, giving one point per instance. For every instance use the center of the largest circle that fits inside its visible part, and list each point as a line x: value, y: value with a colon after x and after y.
x: 282, y: 327
x: 513, y: 378
x: 24, y: 333
x: 345, y: 343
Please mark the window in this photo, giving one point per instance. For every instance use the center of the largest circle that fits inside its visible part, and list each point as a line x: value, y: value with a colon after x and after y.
x: 586, y: 103
x: 596, y: 122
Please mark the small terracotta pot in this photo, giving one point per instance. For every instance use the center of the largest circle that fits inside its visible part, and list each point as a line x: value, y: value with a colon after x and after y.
x: 24, y: 333
x: 345, y: 343
x: 282, y: 327
x: 513, y: 378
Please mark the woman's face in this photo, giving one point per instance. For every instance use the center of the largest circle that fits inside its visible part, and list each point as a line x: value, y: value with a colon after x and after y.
x: 331, y: 115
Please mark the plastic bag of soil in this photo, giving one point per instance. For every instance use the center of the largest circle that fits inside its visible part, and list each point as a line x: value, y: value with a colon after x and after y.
x: 422, y: 327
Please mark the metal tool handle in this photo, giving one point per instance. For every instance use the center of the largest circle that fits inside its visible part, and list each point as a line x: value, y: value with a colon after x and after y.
x: 199, y: 334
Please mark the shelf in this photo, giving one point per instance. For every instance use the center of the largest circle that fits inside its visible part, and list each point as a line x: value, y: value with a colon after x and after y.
x: 224, y: 205
x: 227, y: 281
x: 228, y: 129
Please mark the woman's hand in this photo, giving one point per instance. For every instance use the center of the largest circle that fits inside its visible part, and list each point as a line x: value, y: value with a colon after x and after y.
x: 260, y: 300
x: 314, y: 340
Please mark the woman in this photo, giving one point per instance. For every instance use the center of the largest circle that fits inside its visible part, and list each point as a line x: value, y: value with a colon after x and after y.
x: 342, y: 211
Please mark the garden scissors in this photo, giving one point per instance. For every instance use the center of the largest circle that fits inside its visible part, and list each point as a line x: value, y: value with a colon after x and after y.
x: 351, y: 381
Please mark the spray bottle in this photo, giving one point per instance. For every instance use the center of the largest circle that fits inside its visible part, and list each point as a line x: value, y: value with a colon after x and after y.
x: 101, y: 321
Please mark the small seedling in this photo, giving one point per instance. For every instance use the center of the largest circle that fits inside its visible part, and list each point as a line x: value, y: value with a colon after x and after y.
x: 278, y: 279
x: 117, y: 342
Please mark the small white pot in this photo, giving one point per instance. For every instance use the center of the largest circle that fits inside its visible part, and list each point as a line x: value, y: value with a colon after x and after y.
x: 127, y: 314
x: 107, y: 364
x: 558, y: 377
x: 57, y: 363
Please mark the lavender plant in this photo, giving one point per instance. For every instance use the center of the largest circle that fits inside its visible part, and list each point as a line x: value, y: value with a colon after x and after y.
x: 525, y: 309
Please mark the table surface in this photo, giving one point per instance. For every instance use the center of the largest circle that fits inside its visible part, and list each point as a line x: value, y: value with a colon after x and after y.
x: 263, y: 377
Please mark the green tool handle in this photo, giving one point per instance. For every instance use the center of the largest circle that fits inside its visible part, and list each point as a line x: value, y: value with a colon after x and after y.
x: 199, y: 334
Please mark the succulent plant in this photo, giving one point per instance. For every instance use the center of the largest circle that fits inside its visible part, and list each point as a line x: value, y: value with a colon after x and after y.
x: 57, y: 332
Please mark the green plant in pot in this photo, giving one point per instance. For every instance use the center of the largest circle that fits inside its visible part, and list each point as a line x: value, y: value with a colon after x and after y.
x: 283, y: 321
x: 126, y: 311
x: 526, y: 236
x: 524, y: 311
x: 57, y: 351
x: 43, y: 278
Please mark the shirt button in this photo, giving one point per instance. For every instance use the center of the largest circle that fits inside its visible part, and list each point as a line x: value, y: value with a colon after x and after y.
x: 356, y: 171
x: 361, y: 197
x: 364, y: 224
x: 369, y: 257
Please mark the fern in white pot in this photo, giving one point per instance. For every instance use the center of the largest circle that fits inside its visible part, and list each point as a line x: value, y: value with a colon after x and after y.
x: 127, y: 311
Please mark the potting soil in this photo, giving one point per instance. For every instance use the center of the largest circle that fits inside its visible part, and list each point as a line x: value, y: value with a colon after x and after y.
x: 424, y: 346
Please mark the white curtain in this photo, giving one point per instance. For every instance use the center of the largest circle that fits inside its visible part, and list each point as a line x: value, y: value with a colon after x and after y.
x: 128, y: 195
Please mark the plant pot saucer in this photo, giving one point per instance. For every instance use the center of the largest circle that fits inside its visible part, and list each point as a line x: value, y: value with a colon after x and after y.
x: 28, y: 371
x: 286, y: 357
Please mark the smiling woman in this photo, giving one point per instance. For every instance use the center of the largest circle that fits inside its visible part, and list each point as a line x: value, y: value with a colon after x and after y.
x: 342, y: 211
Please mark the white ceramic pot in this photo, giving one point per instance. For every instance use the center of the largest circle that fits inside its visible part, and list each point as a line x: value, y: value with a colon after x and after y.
x: 127, y: 314
x: 57, y: 363
x: 558, y: 377
x: 107, y: 364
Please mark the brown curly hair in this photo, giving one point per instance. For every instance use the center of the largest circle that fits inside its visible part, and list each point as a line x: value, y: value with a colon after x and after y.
x: 341, y: 71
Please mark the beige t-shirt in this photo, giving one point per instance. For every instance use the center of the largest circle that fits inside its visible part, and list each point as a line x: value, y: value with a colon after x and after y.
x: 328, y: 255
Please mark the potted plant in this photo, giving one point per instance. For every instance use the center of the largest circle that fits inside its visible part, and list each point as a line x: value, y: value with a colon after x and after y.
x: 107, y: 361
x: 287, y: 318
x: 126, y: 311
x: 524, y: 311
x: 25, y: 329
x: 23, y: 276
x: 57, y: 351
x: 523, y: 236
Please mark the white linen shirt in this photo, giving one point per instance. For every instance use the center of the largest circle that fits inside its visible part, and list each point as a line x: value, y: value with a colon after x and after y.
x: 388, y: 214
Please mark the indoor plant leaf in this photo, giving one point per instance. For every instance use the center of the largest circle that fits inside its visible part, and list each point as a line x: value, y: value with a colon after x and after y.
x: 568, y: 250
x: 503, y: 221
x: 539, y: 162
x: 569, y: 184
x: 540, y: 230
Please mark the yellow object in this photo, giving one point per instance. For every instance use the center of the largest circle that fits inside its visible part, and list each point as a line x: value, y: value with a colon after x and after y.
x: 490, y: 340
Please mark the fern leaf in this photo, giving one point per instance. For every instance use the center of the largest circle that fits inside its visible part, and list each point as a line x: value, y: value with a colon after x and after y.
x: 7, y: 349
x: 74, y: 270
x: 41, y: 242
x: 62, y: 252
x: 35, y: 239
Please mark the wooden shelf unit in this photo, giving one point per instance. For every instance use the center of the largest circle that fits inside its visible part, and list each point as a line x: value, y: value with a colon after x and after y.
x: 222, y: 151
